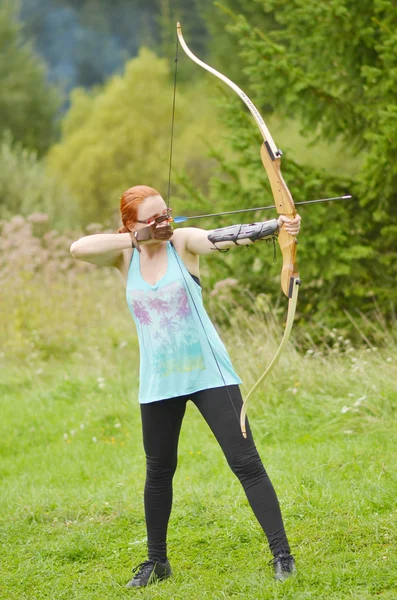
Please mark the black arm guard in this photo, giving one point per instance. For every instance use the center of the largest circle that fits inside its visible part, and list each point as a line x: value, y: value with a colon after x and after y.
x: 253, y: 232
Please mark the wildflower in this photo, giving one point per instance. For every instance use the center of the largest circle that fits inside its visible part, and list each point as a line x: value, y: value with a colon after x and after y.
x: 358, y: 402
x: 117, y: 424
x: 94, y: 439
x: 345, y: 409
x: 65, y: 436
x: 348, y: 431
x: 37, y: 218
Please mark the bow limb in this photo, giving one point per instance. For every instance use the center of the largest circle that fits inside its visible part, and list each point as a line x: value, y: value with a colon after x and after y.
x: 288, y: 326
x: 272, y: 149
x: 271, y: 160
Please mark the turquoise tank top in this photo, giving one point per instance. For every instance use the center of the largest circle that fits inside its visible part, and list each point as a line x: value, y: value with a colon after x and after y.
x: 177, y: 357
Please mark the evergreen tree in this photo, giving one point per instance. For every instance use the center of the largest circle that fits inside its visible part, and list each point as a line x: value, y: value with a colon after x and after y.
x: 333, y: 67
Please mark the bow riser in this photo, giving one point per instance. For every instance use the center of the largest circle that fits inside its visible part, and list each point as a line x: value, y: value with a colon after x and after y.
x: 282, y: 196
x: 285, y: 206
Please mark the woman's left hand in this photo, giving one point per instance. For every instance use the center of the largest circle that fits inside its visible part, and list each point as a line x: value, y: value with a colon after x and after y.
x: 291, y: 226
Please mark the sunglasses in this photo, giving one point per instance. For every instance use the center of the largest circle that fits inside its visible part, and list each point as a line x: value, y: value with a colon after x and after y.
x: 166, y: 216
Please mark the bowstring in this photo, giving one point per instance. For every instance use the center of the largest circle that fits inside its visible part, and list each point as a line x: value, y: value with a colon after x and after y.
x: 172, y: 122
x: 176, y: 253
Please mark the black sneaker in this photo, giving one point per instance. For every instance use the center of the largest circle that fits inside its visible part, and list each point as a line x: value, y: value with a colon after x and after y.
x: 149, y: 572
x: 284, y: 566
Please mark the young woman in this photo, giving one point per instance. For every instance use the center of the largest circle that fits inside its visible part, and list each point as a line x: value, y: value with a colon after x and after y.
x: 182, y: 358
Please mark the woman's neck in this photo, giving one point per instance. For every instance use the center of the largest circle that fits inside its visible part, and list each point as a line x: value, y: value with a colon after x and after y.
x: 151, y: 251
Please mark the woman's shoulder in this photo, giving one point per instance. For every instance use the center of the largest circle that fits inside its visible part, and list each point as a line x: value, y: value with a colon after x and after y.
x: 181, y: 236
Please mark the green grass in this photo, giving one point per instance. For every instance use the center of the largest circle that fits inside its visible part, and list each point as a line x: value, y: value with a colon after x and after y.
x: 72, y: 464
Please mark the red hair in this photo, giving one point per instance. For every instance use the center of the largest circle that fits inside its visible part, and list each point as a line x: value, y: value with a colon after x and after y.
x: 130, y: 201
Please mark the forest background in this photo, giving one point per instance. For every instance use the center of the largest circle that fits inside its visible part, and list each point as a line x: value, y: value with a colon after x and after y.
x: 85, y: 112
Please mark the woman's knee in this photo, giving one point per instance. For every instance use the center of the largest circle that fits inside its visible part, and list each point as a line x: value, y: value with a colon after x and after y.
x: 247, y: 465
x: 157, y: 469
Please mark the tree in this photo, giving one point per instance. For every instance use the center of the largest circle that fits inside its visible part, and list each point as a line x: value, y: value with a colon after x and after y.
x: 119, y: 135
x: 28, y: 104
x: 332, y: 65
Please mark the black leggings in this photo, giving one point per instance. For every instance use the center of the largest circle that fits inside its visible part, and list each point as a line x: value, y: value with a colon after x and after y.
x: 161, y: 423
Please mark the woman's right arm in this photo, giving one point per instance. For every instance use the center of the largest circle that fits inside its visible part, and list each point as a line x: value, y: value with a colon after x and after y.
x: 104, y: 249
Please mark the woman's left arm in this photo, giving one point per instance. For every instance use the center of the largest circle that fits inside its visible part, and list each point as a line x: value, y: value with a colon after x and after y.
x: 199, y: 241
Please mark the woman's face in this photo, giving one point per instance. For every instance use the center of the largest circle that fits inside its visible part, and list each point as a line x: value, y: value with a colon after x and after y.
x: 151, y: 208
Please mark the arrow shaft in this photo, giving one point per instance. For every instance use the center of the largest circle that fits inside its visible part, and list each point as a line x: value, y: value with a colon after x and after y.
x: 181, y: 219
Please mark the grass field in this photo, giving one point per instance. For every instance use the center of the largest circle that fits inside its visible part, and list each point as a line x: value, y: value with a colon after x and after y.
x: 72, y: 464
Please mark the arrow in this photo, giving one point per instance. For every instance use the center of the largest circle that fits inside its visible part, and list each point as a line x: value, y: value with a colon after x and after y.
x: 182, y: 219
